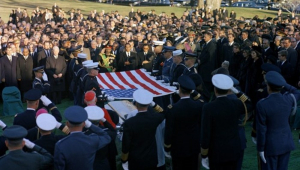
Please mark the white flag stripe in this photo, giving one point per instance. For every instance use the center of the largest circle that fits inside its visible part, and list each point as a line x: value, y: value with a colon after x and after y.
x: 101, y: 83
x: 130, y: 81
x: 138, y: 77
x: 117, y: 79
x: 109, y: 82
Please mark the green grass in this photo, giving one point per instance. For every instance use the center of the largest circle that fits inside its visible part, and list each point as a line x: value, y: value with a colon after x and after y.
x: 250, y: 156
x: 86, y: 6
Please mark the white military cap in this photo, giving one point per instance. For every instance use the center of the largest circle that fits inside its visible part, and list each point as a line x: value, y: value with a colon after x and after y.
x: 46, y: 122
x: 222, y: 81
x: 143, y: 96
x: 158, y: 42
x: 81, y: 55
x: 87, y: 62
x: 177, y: 52
x: 92, y: 65
x: 94, y: 112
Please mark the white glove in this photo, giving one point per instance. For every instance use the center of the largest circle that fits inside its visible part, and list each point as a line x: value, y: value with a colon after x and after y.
x: 254, y: 140
x: 28, y: 143
x: 177, y: 91
x: 234, y: 90
x: 205, y: 163
x: 88, y: 123
x: 175, y: 83
x: 262, y: 156
x: 45, y: 100
x: 152, y: 104
x: 2, y: 124
x: 125, y: 165
x: 103, y: 120
x: 58, y: 124
x: 168, y: 155
x: 45, y: 77
x: 110, y: 98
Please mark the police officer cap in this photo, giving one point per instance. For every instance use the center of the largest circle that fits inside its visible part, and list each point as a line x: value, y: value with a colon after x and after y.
x: 158, y: 43
x: 15, y: 133
x: 87, y: 62
x: 81, y: 55
x: 75, y: 114
x: 143, y: 96
x: 266, y: 67
x: 177, y: 53
x: 222, y: 81
x: 197, y: 79
x: 274, y: 78
x: 190, y: 54
x: 168, y: 48
x: 33, y: 94
x: 39, y: 69
x: 186, y: 82
x: 46, y: 122
x: 93, y: 65
x: 94, y: 113
x: 77, y: 49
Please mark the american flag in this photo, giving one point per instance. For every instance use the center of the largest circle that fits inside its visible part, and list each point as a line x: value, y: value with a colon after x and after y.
x: 121, y: 85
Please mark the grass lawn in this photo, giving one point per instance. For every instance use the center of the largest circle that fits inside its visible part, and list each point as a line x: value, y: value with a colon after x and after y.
x: 86, y: 6
x: 250, y: 157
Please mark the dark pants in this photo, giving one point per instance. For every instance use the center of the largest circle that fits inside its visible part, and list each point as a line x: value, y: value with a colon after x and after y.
x: 276, y: 162
x: 240, y: 161
x: 184, y: 163
x: 231, y: 165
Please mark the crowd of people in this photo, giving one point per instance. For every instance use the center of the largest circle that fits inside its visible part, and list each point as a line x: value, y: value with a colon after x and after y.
x: 224, y: 68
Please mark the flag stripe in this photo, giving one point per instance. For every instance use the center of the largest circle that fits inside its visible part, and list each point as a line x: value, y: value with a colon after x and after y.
x: 147, y: 79
x: 148, y: 85
x: 100, y: 84
x: 108, y: 75
x: 109, y: 81
x: 121, y: 77
x: 140, y: 83
x: 117, y: 79
x: 104, y: 82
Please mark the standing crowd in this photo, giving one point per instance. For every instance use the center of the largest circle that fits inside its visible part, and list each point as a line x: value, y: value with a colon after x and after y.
x: 226, y: 70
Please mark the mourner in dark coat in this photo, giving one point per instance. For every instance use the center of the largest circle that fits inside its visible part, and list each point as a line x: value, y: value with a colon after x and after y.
x: 56, y: 69
x: 24, y: 71
x: 44, y: 54
x: 128, y: 60
x: 9, y: 69
x: 145, y: 58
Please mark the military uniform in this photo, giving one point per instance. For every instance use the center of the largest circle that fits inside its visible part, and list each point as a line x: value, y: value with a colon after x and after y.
x: 18, y: 159
x: 274, y: 137
x: 157, y: 66
x: 44, y: 86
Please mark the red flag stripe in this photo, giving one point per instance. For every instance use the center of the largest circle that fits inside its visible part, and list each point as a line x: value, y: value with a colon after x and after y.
x: 139, y: 72
x: 104, y: 82
x: 140, y: 83
x: 114, y: 81
x: 120, y: 76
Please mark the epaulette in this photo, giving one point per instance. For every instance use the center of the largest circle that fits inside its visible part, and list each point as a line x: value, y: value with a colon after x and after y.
x: 170, y: 106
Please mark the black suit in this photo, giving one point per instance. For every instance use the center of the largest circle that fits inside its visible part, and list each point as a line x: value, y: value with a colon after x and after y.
x: 24, y: 72
x: 219, y: 133
x: 139, y: 140
x: 132, y: 58
x: 267, y: 53
x: 220, y: 56
x: 42, y: 57
x: 95, y: 55
x: 286, y: 70
x: 149, y: 57
x: 183, y: 126
x: 208, y: 63
x: 9, y: 70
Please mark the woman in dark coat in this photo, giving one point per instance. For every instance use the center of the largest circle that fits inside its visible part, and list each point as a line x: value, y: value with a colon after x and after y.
x: 244, y: 67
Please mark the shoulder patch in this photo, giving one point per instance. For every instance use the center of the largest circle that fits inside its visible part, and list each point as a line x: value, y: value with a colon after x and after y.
x: 170, y: 106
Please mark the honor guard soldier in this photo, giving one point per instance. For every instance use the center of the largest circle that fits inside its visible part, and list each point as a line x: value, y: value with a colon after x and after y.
x: 139, y: 149
x: 189, y: 61
x: 183, y: 124
x: 27, y: 118
x: 77, y: 150
x: 177, y: 67
x: 274, y: 137
x: 41, y: 80
x: 17, y: 159
x: 158, y: 61
x: 166, y: 70
x: 220, y: 140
